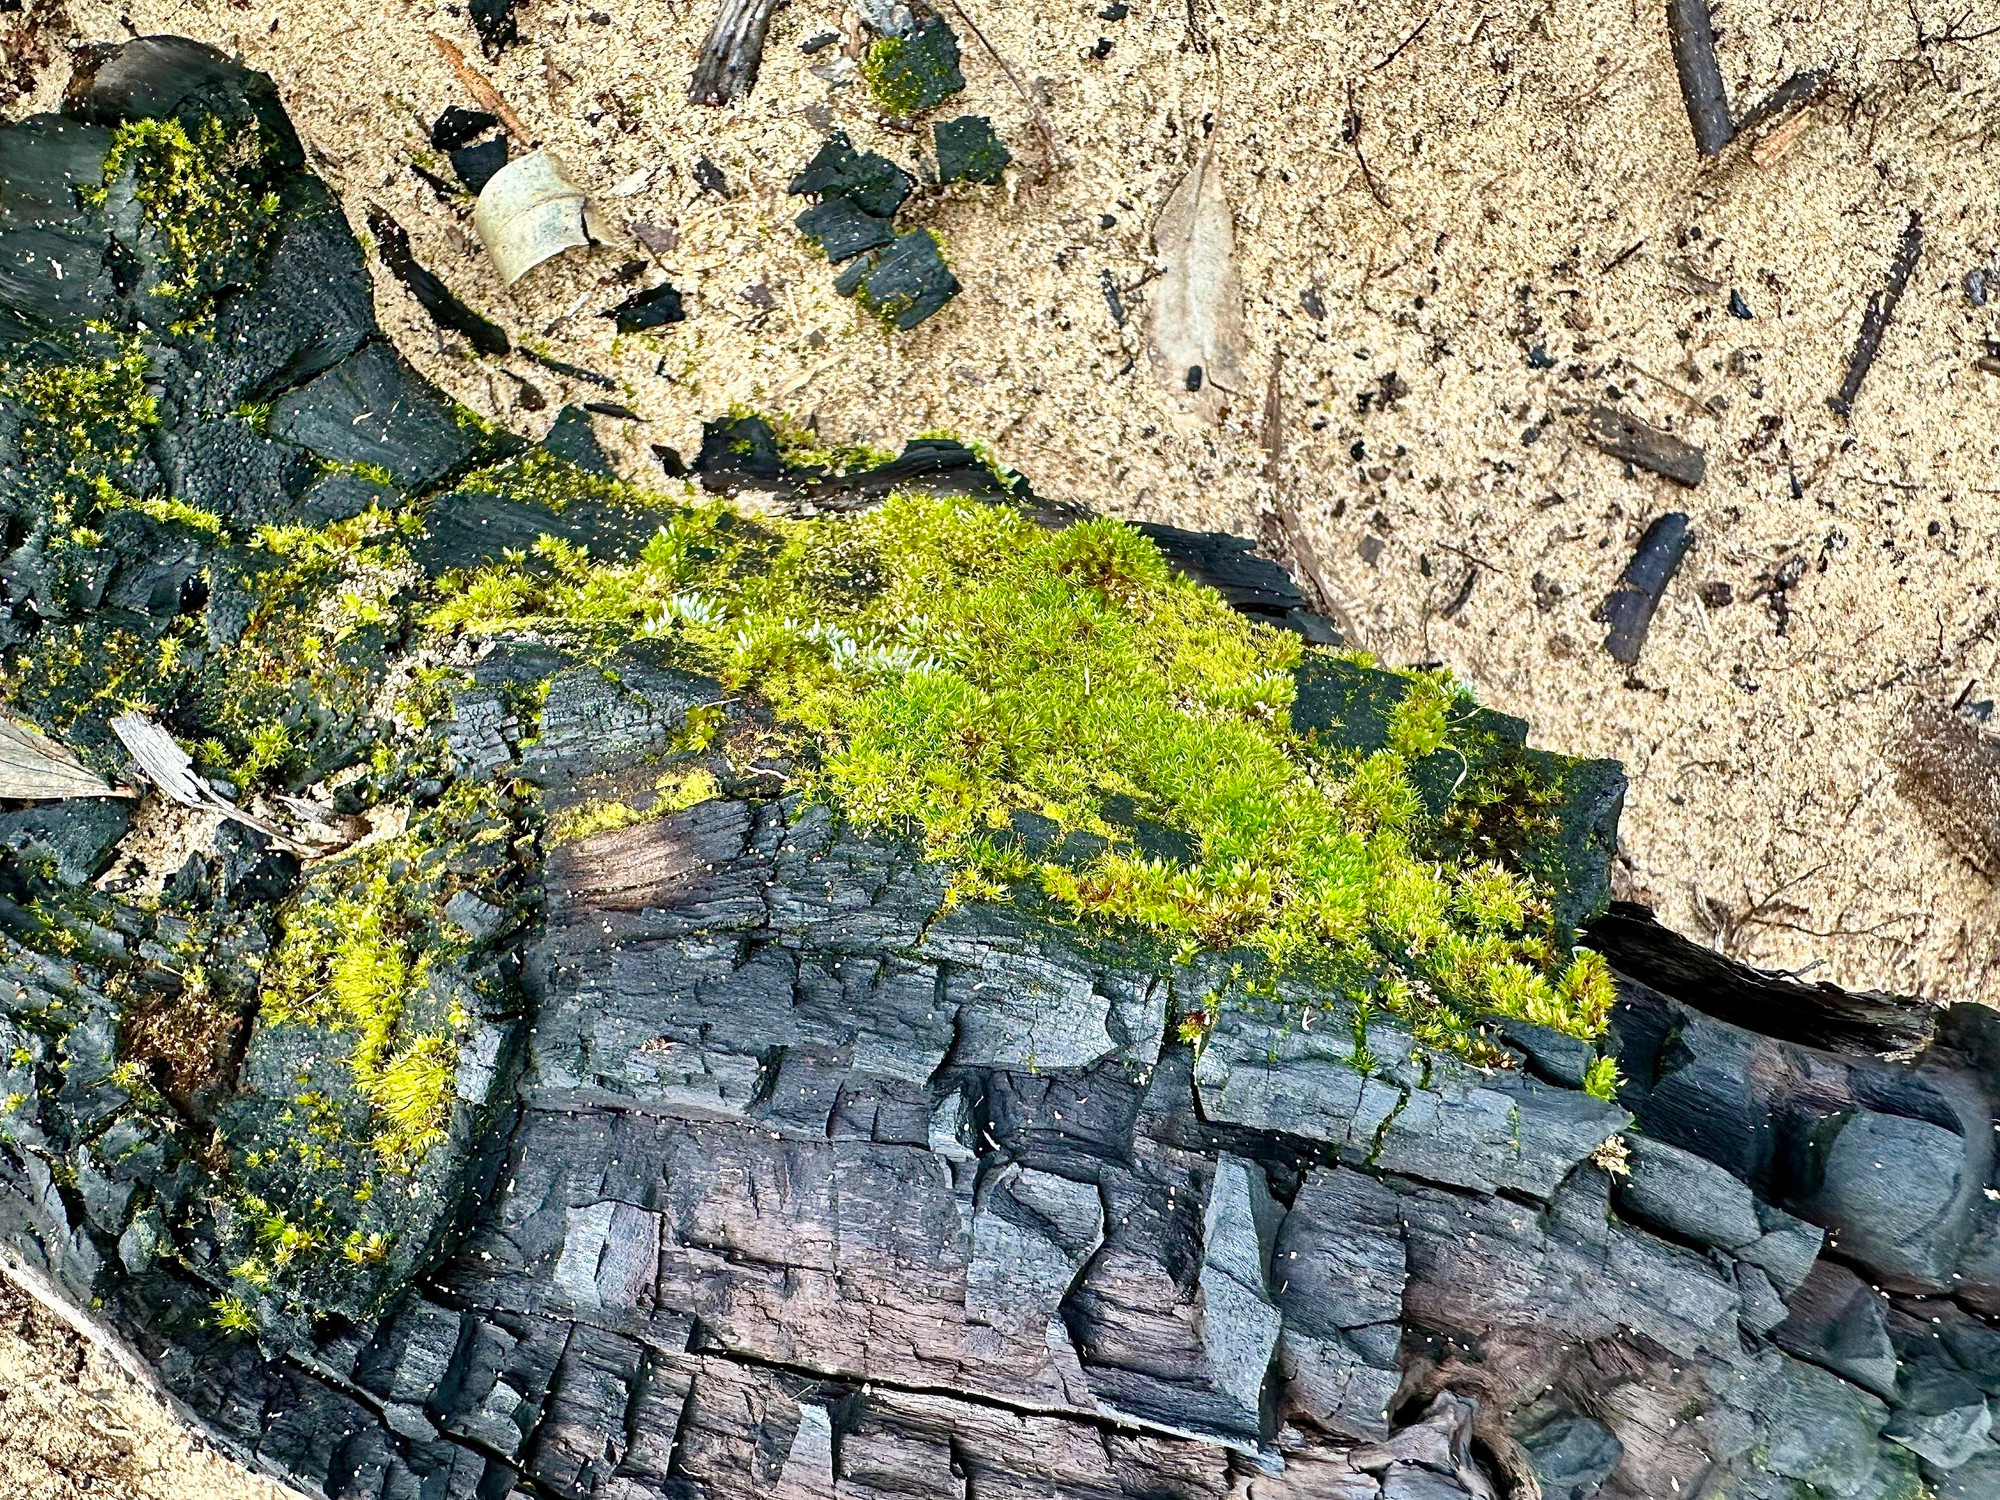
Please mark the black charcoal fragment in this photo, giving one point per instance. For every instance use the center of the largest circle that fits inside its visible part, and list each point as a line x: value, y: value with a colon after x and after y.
x: 842, y: 230
x: 475, y: 165
x: 653, y: 308
x: 872, y: 183
x: 1629, y: 608
x: 461, y: 127
x: 969, y: 151
x: 437, y: 299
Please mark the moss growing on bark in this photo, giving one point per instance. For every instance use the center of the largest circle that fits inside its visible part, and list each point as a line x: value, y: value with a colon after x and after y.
x: 948, y: 669
x: 198, y: 198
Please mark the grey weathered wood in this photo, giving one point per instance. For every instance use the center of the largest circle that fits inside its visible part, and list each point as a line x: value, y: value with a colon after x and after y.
x: 727, y: 67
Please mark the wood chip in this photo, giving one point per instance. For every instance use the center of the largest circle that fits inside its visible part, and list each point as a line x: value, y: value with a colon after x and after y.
x: 1639, y: 443
x: 170, y: 768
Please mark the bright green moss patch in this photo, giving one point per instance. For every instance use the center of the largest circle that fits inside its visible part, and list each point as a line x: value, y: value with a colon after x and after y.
x: 358, y: 945
x: 86, y: 424
x: 195, y: 197
x: 952, y: 670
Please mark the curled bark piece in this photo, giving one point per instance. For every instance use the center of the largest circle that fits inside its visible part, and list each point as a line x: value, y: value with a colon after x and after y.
x: 169, y: 768
x: 1624, y: 436
x: 529, y: 212
x: 392, y: 242
x: 1628, y: 609
x: 726, y: 70
x: 1700, y: 74
x: 1875, y: 322
x: 35, y: 768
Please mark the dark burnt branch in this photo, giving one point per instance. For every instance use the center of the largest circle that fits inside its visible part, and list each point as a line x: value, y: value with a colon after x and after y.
x: 1700, y: 74
x: 727, y: 67
x: 1629, y: 608
x: 1875, y: 322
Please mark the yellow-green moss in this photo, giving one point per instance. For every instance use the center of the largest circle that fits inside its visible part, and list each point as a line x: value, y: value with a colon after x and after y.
x: 942, y: 665
x: 354, y: 959
x: 674, y: 792
x: 192, y: 196
x: 86, y: 422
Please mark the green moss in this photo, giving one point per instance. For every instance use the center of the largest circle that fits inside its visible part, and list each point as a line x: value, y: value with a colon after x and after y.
x: 354, y: 959
x: 800, y: 446
x: 197, y: 196
x: 674, y: 792
x: 1601, y: 1080
x: 86, y: 423
x: 906, y: 75
x: 939, y: 666
x: 234, y: 1315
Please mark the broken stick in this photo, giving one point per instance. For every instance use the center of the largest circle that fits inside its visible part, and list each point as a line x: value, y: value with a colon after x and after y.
x: 1629, y: 607
x: 1874, y: 322
x: 726, y: 70
x: 1700, y: 74
x: 481, y: 88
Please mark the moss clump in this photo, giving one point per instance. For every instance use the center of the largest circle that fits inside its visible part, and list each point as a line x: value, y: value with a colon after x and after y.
x: 355, y: 958
x: 946, y: 668
x: 198, y: 197
x: 906, y: 75
x: 86, y: 424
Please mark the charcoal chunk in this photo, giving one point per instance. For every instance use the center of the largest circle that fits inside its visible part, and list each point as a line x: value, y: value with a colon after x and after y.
x: 655, y: 307
x: 969, y: 151
x: 873, y: 183
x: 904, y: 284
x: 374, y: 409
x: 915, y: 72
x: 475, y: 165
x: 458, y: 127
x: 842, y: 230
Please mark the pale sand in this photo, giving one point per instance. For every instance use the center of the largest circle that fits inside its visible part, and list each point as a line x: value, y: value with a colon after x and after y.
x: 1520, y: 147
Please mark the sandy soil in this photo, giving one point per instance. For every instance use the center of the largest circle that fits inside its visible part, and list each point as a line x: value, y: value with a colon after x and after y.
x: 73, y: 1427
x: 1529, y: 185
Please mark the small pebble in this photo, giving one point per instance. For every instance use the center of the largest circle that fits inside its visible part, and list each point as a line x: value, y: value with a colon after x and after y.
x: 1738, y: 308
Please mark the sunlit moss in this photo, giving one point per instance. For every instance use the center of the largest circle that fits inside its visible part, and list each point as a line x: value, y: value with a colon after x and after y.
x: 354, y: 958
x: 673, y: 793
x: 943, y: 665
x: 192, y: 192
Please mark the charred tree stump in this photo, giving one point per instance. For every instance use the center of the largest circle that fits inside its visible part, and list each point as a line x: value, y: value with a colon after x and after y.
x: 590, y: 1114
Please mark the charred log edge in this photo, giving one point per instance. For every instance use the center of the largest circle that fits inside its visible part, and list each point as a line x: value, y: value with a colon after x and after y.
x: 1702, y: 88
x: 726, y: 70
x: 1759, y: 1000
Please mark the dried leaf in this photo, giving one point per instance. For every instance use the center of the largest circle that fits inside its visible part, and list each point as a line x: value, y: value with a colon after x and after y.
x: 34, y: 768
x: 1194, y: 317
x: 160, y: 756
x: 1948, y: 768
x: 528, y: 212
